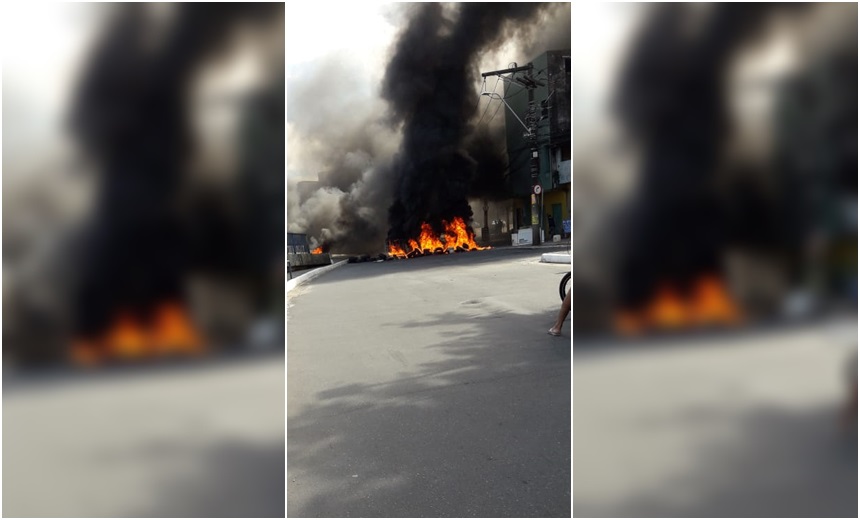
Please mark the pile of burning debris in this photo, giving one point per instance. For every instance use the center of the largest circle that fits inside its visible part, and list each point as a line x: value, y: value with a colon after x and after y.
x: 457, y: 237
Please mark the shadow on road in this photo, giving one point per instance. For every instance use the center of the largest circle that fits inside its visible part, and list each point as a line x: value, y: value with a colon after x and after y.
x: 600, y: 343
x: 483, y: 431
x: 786, y: 464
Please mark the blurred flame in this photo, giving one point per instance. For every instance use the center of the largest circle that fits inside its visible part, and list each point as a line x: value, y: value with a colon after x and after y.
x: 628, y: 323
x: 126, y: 338
x: 173, y: 331
x: 317, y: 251
x: 85, y: 353
x: 667, y: 310
x: 707, y: 304
x: 170, y: 332
x: 712, y: 304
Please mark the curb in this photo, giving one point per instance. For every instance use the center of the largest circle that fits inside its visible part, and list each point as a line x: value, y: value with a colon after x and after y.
x: 299, y: 280
x: 555, y: 258
x: 565, y: 247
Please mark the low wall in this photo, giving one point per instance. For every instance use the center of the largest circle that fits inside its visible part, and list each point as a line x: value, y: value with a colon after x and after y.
x: 308, y: 259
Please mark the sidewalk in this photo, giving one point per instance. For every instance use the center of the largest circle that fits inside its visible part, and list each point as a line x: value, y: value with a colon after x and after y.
x: 563, y: 244
x: 307, y: 276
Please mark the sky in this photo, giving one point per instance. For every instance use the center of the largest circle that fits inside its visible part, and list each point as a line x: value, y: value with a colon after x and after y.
x: 355, y: 40
x: 360, y: 31
x: 42, y: 48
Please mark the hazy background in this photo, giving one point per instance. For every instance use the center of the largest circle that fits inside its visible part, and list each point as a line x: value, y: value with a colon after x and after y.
x: 143, y: 241
x: 714, y: 260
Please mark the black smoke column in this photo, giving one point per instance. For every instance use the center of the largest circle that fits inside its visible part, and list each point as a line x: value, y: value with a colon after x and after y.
x: 672, y: 101
x: 429, y: 86
x: 129, y: 117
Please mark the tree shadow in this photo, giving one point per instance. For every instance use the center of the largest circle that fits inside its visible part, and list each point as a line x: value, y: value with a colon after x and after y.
x: 482, y: 430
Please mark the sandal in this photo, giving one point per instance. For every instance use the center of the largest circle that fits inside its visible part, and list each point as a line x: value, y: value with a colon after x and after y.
x: 553, y: 333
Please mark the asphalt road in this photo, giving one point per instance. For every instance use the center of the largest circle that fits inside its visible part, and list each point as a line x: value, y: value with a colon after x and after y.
x: 429, y: 387
x: 198, y: 440
x: 736, y: 424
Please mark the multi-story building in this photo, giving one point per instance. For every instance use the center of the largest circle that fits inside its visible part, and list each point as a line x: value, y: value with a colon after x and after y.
x: 551, y: 70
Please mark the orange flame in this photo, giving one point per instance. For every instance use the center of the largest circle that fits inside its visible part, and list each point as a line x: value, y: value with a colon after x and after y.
x: 428, y: 240
x: 456, y: 235
x: 707, y: 304
x: 396, y: 251
x: 317, y: 251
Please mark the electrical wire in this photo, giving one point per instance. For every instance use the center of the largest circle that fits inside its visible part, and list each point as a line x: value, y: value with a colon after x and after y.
x: 515, y: 93
x: 488, y: 102
x: 494, y: 113
x: 484, y: 84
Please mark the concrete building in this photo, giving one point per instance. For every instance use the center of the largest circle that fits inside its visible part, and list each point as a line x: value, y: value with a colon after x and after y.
x: 551, y: 68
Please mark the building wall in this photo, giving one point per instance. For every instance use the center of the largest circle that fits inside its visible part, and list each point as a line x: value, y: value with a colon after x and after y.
x: 553, y: 69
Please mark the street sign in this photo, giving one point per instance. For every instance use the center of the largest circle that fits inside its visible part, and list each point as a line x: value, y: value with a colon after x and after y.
x: 537, y: 189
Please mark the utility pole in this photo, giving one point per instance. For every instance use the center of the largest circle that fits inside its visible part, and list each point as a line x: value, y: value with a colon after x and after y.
x: 531, y: 120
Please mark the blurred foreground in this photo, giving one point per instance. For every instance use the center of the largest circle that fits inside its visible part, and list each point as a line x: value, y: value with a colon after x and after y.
x: 740, y: 425
x: 194, y: 441
x: 143, y: 168
x: 715, y: 260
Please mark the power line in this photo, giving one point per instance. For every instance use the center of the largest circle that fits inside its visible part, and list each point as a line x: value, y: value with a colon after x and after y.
x: 515, y: 93
x: 484, y: 84
x: 494, y: 113
x: 488, y: 102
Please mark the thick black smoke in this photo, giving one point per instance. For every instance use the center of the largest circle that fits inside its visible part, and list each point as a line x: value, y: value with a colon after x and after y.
x: 130, y: 117
x: 429, y: 87
x: 342, y: 133
x: 672, y: 100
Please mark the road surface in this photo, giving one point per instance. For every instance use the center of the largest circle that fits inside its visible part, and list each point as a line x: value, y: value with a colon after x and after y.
x: 198, y: 440
x: 736, y: 424
x: 429, y: 387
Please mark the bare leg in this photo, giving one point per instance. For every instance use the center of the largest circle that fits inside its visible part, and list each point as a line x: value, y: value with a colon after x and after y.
x: 562, y: 315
